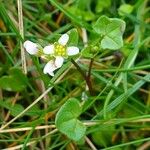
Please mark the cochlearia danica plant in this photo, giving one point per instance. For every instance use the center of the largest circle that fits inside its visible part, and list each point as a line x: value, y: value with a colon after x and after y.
x: 109, y: 32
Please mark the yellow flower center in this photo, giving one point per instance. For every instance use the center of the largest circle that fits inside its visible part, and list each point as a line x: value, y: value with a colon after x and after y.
x: 60, y: 50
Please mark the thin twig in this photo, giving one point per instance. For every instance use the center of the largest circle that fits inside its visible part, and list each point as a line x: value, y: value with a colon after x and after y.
x: 85, y: 41
x: 41, y: 143
x: 84, y: 37
x: 144, y: 146
x: 27, y: 128
x: 13, y: 103
x: 20, y: 18
x: 45, y: 107
x: 25, y: 110
x: 30, y: 143
x: 90, y: 143
x: 88, y: 124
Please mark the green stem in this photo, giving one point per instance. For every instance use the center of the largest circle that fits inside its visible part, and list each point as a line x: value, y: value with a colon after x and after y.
x: 86, y: 78
x: 90, y: 67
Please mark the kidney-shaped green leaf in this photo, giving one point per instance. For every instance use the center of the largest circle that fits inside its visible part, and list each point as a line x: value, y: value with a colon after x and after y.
x: 67, y: 120
x: 111, y: 31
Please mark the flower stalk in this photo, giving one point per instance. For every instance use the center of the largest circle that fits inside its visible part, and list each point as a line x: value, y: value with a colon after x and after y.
x: 86, y: 77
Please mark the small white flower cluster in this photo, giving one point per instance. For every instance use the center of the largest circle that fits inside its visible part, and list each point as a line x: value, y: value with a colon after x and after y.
x: 54, y: 53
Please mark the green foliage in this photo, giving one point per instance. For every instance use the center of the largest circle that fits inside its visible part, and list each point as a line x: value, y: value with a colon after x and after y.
x: 103, y: 136
x: 14, y: 109
x: 73, y: 17
x: 82, y: 9
x: 125, y: 9
x: 86, y: 52
x: 82, y: 14
x: 73, y: 37
x: 101, y: 5
x: 35, y: 111
x: 111, y: 31
x: 67, y: 120
x: 40, y: 111
x: 15, y: 81
x: 90, y: 51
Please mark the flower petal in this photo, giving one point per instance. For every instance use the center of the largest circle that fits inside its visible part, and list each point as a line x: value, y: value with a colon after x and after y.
x: 31, y: 48
x: 49, y: 68
x: 63, y: 39
x: 59, y: 61
x: 51, y: 73
x: 48, y: 49
x: 72, y: 50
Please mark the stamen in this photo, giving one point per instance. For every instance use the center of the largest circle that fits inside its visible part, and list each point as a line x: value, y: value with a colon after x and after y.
x: 60, y: 50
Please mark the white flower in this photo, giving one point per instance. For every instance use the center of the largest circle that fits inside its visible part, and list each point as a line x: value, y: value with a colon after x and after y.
x: 49, y: 68
x: 52, y: 65
x: 59, y: 51
x: 31, y: 48
x: 63, y: 39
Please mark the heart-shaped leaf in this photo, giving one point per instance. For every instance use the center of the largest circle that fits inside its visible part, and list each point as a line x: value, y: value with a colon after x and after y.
x: 111, y: 31
x: 67, y: 120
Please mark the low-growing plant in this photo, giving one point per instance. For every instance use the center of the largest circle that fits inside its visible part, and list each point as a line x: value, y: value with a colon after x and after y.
x: 84, y: 81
